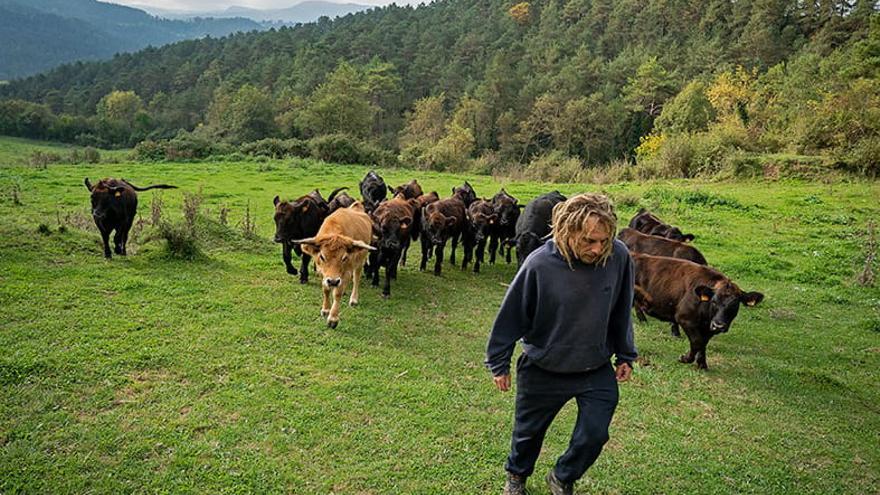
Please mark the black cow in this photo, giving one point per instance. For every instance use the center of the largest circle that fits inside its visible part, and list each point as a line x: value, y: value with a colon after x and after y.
x: 648, y: 223
x: 300, y: 219
x: 502, y: 232
x: 392, y: 220
x: 702, y: 300
x: 533, y: 225
x: 444, y: 220
x: 373, y: 190
x: 114, y: 205
x: 342, y: 200
x: 481, y: 218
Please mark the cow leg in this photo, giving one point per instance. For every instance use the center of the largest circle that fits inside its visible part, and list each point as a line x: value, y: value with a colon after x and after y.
x: 507, y: 255
x: 105, y: 237
x: 673, y: 328
x: 375, y: 266
x: 468, y: 254
x: 325, y: 303
x: 333, y: 318
x: 481, y: 248
x: 426, y: 251
x: 304, y: 269
x: 454, y: 245
x: 493, y: 246
x: 404, y: 250
x: 125, y: 230
x: 438, y: 262
x: 390, y: 272
x: 355, y: 288
x: 701, y: 358
x: 285, y: 255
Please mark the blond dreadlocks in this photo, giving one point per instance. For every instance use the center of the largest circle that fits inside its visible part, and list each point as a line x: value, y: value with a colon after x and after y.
x: 570, y: 222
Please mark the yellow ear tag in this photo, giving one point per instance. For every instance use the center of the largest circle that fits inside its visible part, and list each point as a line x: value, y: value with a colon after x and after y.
x: 750, y: 303
x: 705, y: 298
x: 305, y: 208
x: 117, y: 194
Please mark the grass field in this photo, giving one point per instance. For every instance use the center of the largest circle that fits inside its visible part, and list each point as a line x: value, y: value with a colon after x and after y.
x: 150, y: 374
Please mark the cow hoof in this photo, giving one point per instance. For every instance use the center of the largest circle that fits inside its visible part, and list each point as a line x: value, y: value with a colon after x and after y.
x: 702, y: 367
x: 684, y: 358
x: 303, y: 281
x: 292, y: 271
x: 386, y: 296
x: 352, y: 303
x: 333, y: 324
x: 325, y: 313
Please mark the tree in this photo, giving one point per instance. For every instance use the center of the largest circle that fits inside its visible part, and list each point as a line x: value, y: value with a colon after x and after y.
x: 649, y: 88
x: 426, y: 123
x: 340, y: 105
x: 120, y: 106
x: 474, y: 115
x: 242, y: 116
x: 689, y: 111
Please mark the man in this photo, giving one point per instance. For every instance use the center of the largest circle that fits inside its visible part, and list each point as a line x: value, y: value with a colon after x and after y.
x: 570, y: 303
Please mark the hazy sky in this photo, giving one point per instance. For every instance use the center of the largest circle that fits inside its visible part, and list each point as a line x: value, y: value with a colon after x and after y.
x: 212, y: 5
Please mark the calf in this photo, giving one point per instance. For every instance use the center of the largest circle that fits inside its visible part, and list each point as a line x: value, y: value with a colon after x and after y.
x: 699, y: 298
x: 342, y: 200
x: 114, y: 205
x: 443, y: 220
x: 533, y: 225
x: 300, y: 219
x: 410, y: 190
x: 394, y: 220
x: 340, y: 250
x: 502, y: 232
x: 481, y: 218
x: 373, y: 190
x: 416, y: 230
x: 648, y: 223
x: 659, y: 246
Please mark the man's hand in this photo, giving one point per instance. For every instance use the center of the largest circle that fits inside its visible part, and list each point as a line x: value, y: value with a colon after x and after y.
x: 502, y: 382
x: 623, y: 372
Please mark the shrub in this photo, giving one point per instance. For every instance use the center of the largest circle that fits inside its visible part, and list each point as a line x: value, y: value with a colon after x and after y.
x: 181, y: 240
x: 149, y: 151
x: 276, y: 148
x: 91, y: 155
x: 341, y: 148
x: 41, y: 159
x: 555, y: 167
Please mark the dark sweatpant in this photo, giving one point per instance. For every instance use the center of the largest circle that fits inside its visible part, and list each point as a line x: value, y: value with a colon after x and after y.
x: 540, y: 394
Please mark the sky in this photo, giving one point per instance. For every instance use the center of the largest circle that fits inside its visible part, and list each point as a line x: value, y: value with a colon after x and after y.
x: 215, y: 5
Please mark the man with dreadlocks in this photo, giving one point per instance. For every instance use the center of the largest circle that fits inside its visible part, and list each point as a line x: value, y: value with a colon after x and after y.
x: 570, y: 303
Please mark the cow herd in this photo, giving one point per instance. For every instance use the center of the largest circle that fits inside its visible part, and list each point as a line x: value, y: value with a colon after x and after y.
x: 347, y: 237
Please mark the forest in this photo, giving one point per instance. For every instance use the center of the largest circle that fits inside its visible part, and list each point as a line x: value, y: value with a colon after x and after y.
x: 548, y: 89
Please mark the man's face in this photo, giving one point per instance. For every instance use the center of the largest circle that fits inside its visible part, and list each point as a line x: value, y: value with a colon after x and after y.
x: 589, y: 244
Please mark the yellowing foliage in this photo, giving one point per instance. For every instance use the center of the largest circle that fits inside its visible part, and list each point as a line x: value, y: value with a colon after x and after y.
x: 731, y: 91
x: 649, y: 145
x: 520, y: 13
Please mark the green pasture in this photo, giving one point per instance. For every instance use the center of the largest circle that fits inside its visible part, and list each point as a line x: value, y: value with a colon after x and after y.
x: 152, y: 374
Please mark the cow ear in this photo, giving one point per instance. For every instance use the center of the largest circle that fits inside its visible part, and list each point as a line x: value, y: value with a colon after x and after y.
x: 276, y: 200
x: 355, y: 245
x: 751, y: 299
x: 704, y: 293
x: 305, y: 207
x: 405, y: 223
x: 688, y: 237
x: 309, y: 246
x: 492, y: 219
x: 117, y: 191
x: 450, y: 221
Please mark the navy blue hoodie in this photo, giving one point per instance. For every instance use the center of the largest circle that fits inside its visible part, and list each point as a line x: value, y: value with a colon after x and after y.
x: 571, y: 319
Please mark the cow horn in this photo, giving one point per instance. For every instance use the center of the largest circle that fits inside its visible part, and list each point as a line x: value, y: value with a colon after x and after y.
x: 362, y: 245
x: 310, y: 240
x: 88, y: 184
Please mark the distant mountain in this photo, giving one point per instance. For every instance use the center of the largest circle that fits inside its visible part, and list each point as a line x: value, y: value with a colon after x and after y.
x: 308, y: 11
x: 37, y: 35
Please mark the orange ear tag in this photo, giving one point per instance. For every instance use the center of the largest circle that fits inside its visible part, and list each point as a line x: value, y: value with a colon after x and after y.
x: 117, y: 194
x: 705, y: 298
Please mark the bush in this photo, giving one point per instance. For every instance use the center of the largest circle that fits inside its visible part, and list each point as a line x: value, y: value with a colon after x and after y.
x: 276, y: 148
x: 555, y: 167
x: 149, y: 151
x: 91, y: 155
x: 487, y: 163
x: 181, y: 240
x: 341, y: 148
x: 41, y: 159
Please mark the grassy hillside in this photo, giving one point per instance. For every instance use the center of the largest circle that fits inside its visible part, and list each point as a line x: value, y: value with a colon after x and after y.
x: 153, y: 374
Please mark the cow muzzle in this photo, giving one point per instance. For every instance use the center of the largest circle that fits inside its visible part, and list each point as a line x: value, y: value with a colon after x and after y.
x: 718, y: 327
x: 332, y: 282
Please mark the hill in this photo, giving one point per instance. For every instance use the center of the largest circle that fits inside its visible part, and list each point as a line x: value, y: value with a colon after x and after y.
x: 301, y: 12
x: 40, y: 34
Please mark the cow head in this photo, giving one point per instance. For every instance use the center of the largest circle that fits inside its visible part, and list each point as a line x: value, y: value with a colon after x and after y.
x: 525, y: 244
x: 333, y: 255
x: 721, y: 303
x: 465, y: 193
x: 393, y: 231
x: 106, y: 197
x: 481, y: 217
x: 293, y: 219
x: 507, y: 208
x: 436, y: 226
x: 672, y: 233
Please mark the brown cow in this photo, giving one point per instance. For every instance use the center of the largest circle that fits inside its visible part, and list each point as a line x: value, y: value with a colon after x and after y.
x: 443, y: 220
x: 114, y: 205
x: 393, y: 219
x: 648, y: 223
x: 481, y: 218
x: 340, y: 250
x: 699, y: 298
x: 659, y: 246
x: 342, y: 200
x: 410, y: 190
x: 299, y: 219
